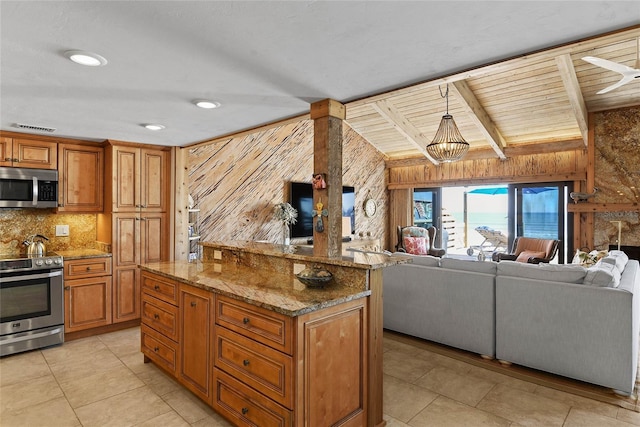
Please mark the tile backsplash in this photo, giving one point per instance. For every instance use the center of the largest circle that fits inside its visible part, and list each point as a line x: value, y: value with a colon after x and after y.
x: 17, y: 224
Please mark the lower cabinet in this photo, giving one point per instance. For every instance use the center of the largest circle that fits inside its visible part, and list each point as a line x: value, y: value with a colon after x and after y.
x: 87, y: 296
x: 255, y: 366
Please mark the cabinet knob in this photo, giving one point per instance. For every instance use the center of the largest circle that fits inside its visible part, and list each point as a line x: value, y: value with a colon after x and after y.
x: 244, y: 411
x: 7, y: 159
x: 245, y: 320
x: 156, y: 288
x: 156, y: 316
x: 16, y: 160
x: 66, y: 288
x: 156, y: 349
x: 144, y: 218
x: 193, y: 303
x: 88, y: 268
x: 245, y: 362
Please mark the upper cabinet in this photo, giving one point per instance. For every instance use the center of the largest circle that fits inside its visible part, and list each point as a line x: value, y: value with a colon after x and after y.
x: 28, y: 153
x: 81, y: 178
x: 140, y: 179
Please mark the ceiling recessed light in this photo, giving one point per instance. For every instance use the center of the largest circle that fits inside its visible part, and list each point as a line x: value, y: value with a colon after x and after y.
x: 89, y: 59
x: 153, y: 126
x: 203, y: 103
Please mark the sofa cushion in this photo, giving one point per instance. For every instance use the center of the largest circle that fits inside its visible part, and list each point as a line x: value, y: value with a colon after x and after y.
x: 617, y: 258
x: 604, y: 275
x: 525, y: 255
x: 550, y: 272
x: 424, y: 260
x: 415, y: 245
x: 488, y: 267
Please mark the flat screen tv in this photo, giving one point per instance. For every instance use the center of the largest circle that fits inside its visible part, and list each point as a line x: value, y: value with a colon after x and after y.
x: 301, y: 198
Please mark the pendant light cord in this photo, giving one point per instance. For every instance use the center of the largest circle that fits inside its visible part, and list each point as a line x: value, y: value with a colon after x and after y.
x: 446, y: 95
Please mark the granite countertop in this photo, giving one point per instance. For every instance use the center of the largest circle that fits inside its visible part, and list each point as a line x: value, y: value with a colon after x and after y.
x: 82, y: 253
x: 278, y: 292
x: 361, y: 259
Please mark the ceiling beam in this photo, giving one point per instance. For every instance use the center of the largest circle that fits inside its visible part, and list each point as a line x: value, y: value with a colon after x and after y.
x: 572, y: 87
x: 400, y: 123
x: 479, y: 117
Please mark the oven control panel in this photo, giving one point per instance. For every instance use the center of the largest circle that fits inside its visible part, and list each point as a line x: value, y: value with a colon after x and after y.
x: 33, y: 263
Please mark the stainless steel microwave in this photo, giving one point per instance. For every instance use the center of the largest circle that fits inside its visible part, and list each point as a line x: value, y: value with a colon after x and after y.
x: 28, y: 188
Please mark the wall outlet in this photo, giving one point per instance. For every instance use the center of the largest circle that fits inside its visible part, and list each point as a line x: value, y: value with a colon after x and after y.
x: 62, y: 230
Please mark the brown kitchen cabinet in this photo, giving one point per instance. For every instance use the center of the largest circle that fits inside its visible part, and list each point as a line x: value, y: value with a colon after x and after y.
x: 28, y: 153
x: 140, y: 179
x: 87, y: 293
x: 80, y: 178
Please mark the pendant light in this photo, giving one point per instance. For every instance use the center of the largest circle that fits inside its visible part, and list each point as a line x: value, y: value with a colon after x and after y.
x: 448, y: 145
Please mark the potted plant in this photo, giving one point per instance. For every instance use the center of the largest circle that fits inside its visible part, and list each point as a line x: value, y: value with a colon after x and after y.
x: 288, y: 215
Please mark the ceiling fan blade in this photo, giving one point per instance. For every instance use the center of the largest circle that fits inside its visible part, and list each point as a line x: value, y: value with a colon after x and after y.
x: 624, y: 80
x: 609, y: 65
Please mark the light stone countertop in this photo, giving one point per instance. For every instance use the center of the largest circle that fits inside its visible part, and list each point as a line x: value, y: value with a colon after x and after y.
x: 82, y: 253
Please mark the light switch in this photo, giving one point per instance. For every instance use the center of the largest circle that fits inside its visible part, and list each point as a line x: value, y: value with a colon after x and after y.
x: 62, y: 230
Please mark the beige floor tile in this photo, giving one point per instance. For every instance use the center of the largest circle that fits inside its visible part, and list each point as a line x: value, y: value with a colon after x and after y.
x: 187, y: 405
x: 73, y: 351
x: 135, y: 362
x: 12, y: 368
x: 582, y: 418
x: 524, y: 408
x: 390, y: 344
x: 124, y: 342
x: 159, y: 382
x: 499, y: 378
x: 628, y: 416
x: 446, y: 412
x: 27, y: 393
x: 52, y: 413
x: 578, y: 402
x: 169, y: 419
x: 461, y: 387
x: 81, y: 391
x: 448, y: 362
x: 126, y: 409
x: 392, y: 422
x: 214, y: 420
x: 91, y: 363
x: 407, y: 368
x: 402, y: 400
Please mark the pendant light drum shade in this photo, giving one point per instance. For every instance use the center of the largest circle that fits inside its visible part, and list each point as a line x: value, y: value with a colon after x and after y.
x: 448, y: 145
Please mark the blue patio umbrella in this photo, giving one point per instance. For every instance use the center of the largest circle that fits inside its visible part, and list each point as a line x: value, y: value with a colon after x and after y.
x: 492, y: 191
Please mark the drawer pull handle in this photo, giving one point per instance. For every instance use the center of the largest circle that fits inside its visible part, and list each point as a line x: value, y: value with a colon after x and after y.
x: 156, y: 288
x: 156, y: 349
x: 88, y: 268
x: 244, y: 411
x: 245, y: 362
x: 156, y: 316
x: 193, y: 303
x: 245, y: 320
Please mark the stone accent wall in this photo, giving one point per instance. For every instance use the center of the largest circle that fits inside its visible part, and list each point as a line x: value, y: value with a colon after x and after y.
x: 237, y: 182
x: 617, y: 174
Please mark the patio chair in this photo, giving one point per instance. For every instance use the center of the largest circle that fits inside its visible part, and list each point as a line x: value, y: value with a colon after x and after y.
x: 531, y: 250
x: 494, y: 241
x: 418, y: 235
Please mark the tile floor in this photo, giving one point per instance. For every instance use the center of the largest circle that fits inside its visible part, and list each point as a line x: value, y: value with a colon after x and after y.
x: 102, y: 381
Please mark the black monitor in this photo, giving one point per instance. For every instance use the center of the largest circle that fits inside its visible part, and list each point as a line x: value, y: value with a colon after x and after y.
x: 301, y: 198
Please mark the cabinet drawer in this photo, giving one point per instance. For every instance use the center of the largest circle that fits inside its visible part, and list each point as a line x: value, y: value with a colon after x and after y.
x: 161, y: 316
x: 244, y: 406
x: 267, y: 327
x: 160, y: 349
x: 87, y: 267
x: 263, y: 368
x: 160, y: 288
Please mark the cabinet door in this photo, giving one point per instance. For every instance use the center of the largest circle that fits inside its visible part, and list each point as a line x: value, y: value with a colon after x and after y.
x: 35, y: 154
x: 126, y: 179
x: 154, y: 239
x: 81, y: 175
x: 5, y: 151
x: 126, y: 240
x: 196, y: 318
x: 87, y: 303
x: 154, y: 180
x: 126, y: 294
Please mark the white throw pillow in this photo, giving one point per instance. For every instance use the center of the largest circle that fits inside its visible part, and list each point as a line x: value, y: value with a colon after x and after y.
x: 617, y: 258
x: 603, y: 275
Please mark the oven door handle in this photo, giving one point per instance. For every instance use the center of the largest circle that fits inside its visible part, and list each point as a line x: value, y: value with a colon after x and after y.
x: 30, y: 336
x: 32, y: 276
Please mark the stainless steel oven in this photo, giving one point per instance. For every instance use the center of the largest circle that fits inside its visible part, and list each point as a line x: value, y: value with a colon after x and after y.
x: 31, y: 303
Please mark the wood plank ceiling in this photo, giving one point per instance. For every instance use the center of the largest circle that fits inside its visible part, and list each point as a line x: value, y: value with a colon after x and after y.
x: 534, y: 103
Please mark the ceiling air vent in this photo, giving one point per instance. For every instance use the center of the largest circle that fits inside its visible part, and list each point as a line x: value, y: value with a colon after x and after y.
x: 35, y: 128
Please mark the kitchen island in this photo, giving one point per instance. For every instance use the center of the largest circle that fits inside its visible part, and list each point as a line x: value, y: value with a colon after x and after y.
x: 245, y: 335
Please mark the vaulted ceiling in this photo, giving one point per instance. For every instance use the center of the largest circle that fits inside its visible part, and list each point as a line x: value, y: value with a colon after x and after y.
x: 267, y: 61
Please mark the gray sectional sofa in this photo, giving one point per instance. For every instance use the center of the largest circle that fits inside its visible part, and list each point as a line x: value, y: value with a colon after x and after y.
x: 582, y: 323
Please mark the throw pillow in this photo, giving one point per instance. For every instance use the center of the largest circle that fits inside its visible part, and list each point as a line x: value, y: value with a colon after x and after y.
x: 415, y: 245
x: 617, y: 258
x: 588, y: 259
x: 603, y: 275
x: 525, y: 255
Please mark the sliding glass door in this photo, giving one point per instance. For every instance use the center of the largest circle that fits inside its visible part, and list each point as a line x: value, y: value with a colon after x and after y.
x: 539, y: 210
